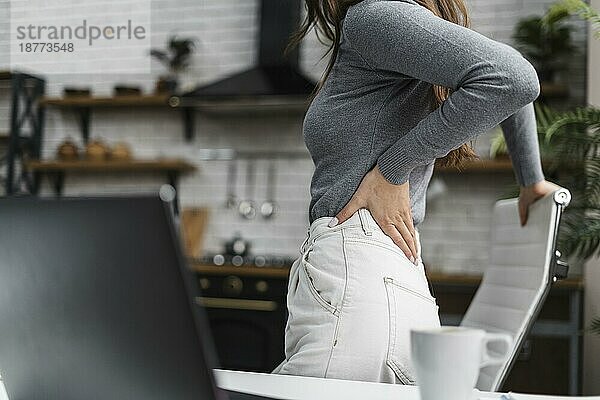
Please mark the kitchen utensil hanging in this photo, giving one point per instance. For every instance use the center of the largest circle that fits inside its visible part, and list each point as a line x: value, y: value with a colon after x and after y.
x: 231, y: 201
x: 247, y: 208
x: 269, y: 207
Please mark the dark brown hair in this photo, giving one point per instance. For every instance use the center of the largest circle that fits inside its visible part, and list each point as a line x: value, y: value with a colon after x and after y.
x: 326, y: 16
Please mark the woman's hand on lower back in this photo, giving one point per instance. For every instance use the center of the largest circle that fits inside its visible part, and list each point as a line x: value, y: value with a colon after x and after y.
x: 389, y: 205
x: 529, y: 194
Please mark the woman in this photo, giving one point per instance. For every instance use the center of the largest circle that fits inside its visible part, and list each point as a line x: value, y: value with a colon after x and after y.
x: 408, y: 83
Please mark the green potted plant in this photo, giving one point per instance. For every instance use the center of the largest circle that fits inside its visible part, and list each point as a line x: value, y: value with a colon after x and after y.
x: 175, y: 58
x: 546, y: 42
x: 570, y: 146
x: 596, y: 326
x: 574, y: 7
x: 572, y: 141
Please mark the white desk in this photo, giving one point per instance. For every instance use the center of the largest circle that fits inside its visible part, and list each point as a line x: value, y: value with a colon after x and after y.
x: 303, y: 388
x: 286, y: 387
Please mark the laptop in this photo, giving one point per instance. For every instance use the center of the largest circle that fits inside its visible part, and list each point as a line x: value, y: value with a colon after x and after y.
x: 96, y: 303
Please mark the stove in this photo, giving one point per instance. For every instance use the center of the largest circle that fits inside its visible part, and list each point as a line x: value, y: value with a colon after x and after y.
x: 246, y: 261
x: 246, y: 310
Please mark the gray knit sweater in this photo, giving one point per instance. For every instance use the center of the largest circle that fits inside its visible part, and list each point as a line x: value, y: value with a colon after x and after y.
x: 376, y: 106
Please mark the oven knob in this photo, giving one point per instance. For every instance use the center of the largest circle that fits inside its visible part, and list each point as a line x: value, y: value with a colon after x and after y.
x: 278, y: 261
x: 204, y: 283
x: 262, y: 286
x: 219, y: 259
x: 260, y: 261
x: 238, y: 261
x: 232, y: 285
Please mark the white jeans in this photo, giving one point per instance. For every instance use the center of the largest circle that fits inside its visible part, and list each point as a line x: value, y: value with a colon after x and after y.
x: 353, y: 297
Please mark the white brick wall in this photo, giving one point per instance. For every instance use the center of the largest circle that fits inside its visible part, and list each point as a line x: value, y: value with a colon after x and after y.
x: 455, y: 233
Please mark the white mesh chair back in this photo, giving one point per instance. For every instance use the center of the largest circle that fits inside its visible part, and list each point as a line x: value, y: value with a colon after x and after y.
x: 522, y: 267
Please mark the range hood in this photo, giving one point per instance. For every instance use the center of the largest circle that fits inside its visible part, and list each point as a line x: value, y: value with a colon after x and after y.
x: 275, y: 80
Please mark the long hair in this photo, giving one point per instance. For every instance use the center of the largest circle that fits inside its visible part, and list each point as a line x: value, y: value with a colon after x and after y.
x: 326, y: 17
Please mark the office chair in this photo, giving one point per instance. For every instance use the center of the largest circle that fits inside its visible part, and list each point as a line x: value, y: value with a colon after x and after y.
x: 523, y: 265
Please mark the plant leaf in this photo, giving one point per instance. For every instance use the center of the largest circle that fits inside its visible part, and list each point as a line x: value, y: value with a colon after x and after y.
x: 595, y: 326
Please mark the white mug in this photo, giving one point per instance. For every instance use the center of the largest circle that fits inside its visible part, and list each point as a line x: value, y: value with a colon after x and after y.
x: 447, y: 360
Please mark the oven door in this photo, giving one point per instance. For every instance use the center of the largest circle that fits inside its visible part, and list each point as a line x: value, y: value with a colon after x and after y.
x: 247, y: 326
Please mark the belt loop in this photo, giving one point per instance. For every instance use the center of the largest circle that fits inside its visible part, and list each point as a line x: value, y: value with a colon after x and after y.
x: 303, y: 245
x: 364, y: 221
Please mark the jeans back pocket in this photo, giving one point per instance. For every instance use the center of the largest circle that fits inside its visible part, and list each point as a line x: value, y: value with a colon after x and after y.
x: 408, y: 309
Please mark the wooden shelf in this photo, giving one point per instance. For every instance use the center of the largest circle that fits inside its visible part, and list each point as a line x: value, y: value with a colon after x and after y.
x: 479, y: 166
x: 111, y: 166
x: 56, y: 170
x: 266, y: 272
x: 554, y: 90
x: 259, y: 104
x: 83, y: 105
x: 437, y: 278
x: 434, y: 277
x: 268, y: 103
x: 502, y: 165
x: 8, y: 74
x: 113, y: 101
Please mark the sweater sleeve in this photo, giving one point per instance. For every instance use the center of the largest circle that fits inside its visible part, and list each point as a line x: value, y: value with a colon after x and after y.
x: 490, y: 81
x: 520, y: 134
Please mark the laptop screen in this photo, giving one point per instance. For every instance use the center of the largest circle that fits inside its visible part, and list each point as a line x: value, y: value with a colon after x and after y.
x: 95, y: 303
